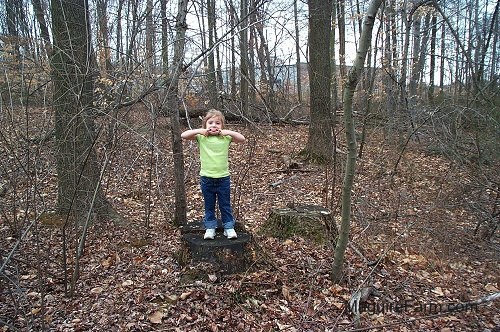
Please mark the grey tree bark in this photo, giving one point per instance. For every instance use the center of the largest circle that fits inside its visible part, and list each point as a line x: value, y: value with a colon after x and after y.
x: 244, y: 57
x: 164, y: 35
x: 150, y: 36
x: 495, y: 30
x: 388, y: 66
x: 297, y: 51
x: 342, y: 32
x: 78, y: 170
x: 103, y: 37
x: 172, y: 102
x: 212, y: 81
x: 432, y: 65
x: 333, y: 64
x: 119, y: 34
x: 442, y: 58
x: 233, y: 19
x: 319, y: 144
x: 44, y: 30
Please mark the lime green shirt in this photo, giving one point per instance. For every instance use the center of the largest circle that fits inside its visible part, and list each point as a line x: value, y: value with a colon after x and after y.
x: 214, y: 155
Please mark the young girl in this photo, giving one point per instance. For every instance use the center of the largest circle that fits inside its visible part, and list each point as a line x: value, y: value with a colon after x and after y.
x: 213, y: 141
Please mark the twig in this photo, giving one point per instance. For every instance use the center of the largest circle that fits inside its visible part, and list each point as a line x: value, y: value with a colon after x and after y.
x: 277, y: 183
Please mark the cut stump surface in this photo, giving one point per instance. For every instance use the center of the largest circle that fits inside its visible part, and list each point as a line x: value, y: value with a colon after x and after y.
x: 312, y: 222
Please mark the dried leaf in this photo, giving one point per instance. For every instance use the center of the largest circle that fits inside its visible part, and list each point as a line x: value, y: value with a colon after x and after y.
x: 156, y: 317
x: 438, y: 291
x: 127, y: 282
x: 172, y: 299
x: 185, y: 295
x: 338, y: 305
x: 282, y: 327
x: 96, y: 290
x: 286, y: 293
x: 491, y: 288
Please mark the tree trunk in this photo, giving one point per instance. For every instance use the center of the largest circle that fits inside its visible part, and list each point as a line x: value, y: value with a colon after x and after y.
x: 119, y: 34
x: 494, y: 67
x: 180, y: 214
x: 414, y: 70
x: 297, y: 51
x: 319, y: 145
x: 333, y: 67
x: 11, y: 11
x: 252, y: 49
x: 269, y: 65
x: 164, y: 34
x: 432, y: 66
x: 234, y: 87
x: 78, y: 172
x: 341, y: 27
x: 103, y: 37
x: 243, y: 58
x: 150, y: 36
x: 211, y: 77
x: 402, y: 106
x: 350, y: 86
x: 134, y: 31
x: 486, y: 44
x: 388, y: 68
x: 442, y: 58
x: 44, y: 30
x: 369, y: 84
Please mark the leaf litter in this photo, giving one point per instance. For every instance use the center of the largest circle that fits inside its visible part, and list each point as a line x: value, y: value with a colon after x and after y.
x: 412, y: 224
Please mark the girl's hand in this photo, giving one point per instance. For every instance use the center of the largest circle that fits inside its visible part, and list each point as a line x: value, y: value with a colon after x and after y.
x: 214, y: 131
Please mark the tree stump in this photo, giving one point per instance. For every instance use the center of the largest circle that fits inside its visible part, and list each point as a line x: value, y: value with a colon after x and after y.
x: 226, y: 256
x: 312, y: 222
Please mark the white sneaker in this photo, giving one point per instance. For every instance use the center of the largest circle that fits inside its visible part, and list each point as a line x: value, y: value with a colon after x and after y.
x: 230, y: 233
x: 209, y: 234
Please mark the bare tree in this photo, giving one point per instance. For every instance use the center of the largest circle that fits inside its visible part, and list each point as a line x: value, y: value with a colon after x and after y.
x: 164, y: 35
x: 432, y: 65
x: 103, y: 37
x: 244, y: 89
x: 79, y: 191
x: 211, y: 75
x: 150, y: 36
x: 172, y: 103
x: 44, y: 30
x: 297, y: 52
x: 319, y: 144
x: 342, y: 40
x: 79, y: 174
x: 350, y: 86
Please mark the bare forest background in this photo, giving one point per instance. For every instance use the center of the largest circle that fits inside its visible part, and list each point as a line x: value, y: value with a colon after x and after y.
x: 95, y: 94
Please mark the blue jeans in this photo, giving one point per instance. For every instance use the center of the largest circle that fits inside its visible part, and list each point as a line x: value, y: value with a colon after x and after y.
x: 217, y: 190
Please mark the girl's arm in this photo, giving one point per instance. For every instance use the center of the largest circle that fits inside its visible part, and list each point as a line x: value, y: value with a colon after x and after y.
x: 191, y: 133
x: 236, y: 136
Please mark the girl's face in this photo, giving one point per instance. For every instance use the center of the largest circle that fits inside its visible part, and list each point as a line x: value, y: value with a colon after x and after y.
x: 214, y: 123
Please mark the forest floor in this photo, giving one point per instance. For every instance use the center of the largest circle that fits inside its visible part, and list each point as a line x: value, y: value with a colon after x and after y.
x: 412, y: 240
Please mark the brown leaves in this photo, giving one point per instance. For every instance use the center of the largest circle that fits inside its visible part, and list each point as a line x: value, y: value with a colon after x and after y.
x: 156, y: 317
x: 400, y: 222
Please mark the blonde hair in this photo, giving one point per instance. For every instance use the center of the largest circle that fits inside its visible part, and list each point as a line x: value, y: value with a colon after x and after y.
x: 213, y: 113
